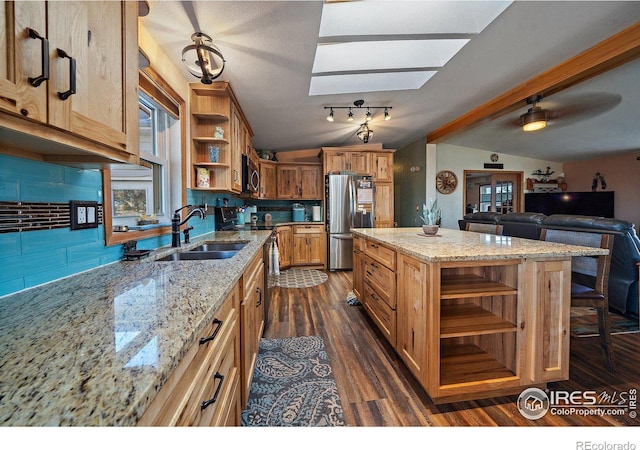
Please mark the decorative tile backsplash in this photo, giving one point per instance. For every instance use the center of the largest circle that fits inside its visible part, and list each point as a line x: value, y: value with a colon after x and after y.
x: 31, y: 216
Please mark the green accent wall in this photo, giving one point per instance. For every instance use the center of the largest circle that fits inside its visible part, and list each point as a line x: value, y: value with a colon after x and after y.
x: 409, y: 187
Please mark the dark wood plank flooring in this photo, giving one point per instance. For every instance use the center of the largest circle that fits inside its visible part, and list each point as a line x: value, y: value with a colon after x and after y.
x: 376, y: 389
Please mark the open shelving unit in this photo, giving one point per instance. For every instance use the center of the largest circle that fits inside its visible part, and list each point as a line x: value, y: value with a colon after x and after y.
x: 210, y: 109
x: 478, y: 324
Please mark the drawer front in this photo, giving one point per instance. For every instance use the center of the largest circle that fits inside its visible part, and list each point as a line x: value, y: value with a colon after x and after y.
x: 220, y: 388
x: 380, y: 253
x: 381, y: 314
x: 308, y: 229
x: 381, y: 279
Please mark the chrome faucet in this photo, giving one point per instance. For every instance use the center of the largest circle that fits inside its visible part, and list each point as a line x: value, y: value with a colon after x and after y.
x: 177, y: 221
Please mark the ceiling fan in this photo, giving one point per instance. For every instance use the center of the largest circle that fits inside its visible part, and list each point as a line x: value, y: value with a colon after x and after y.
x: 564, y: 109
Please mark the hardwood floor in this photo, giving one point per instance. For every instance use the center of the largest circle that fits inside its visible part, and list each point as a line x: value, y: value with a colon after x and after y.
x: 376, y: 389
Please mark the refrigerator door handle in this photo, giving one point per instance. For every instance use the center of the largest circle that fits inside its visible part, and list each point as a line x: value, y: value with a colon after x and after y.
x: 352, y: 202
x: 343, y: 238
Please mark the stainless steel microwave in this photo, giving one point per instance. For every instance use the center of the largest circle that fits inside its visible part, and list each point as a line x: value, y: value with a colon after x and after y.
x: 250, y: 176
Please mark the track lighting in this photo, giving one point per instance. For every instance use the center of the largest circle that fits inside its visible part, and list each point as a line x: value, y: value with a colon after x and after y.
x: 364, y: 133
x: 536, y: 118
x: 330, y: 116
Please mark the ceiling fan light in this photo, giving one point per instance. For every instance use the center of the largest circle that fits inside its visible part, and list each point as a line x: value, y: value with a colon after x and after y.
x: 534, y: 119
x: 202, y: 59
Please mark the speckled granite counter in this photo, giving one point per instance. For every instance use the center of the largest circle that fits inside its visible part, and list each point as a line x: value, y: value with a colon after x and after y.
x: 94, y: 348
x: 456, y: 245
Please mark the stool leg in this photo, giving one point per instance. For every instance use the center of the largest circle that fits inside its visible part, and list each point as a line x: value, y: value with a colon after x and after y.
x: 604, y: 329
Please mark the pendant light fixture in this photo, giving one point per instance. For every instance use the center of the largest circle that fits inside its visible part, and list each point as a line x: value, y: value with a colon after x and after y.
x: 364, y: 133
x: 536, y: 118
x: 203, y: 59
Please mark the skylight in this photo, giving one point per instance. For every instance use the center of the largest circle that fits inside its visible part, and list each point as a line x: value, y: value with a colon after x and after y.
x: 373, y: 45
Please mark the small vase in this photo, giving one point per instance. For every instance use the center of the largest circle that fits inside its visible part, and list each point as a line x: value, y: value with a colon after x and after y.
x: 430, y: 229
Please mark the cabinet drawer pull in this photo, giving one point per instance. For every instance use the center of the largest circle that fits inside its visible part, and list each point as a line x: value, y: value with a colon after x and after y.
x: 44, y: 50
x: 72, y: 76
x: 218, y: 322
x: 369, y: 273
x: 259, y: 292
x: 374, y: 246
x: 215, y: 396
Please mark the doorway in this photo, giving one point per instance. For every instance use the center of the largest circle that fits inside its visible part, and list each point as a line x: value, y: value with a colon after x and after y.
x: 496, y: 191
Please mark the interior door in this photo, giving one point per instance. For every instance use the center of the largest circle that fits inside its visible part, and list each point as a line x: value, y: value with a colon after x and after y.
x: 495, y: 191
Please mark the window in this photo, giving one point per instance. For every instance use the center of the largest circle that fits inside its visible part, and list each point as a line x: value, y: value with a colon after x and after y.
x: 140, y: 196
x: 141, y: 193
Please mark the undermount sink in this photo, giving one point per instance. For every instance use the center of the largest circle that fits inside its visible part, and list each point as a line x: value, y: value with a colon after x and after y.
x: 199, y: 255
x: 207, y: 250
x: 220, y: 246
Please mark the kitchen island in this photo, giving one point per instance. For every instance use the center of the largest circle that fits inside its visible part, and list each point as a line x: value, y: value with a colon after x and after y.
x: 472, y: 315
x: 95, y: 348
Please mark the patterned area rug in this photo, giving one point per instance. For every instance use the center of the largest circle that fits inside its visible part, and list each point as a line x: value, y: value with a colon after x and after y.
x: 584, y: 323
x: 293, y: 386
x: 298, y: 278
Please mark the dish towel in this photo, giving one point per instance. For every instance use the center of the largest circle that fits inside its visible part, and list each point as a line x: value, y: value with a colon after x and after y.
x: 274, y: 259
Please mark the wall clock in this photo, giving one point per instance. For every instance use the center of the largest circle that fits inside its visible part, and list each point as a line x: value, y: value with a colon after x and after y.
x: 446, y: 182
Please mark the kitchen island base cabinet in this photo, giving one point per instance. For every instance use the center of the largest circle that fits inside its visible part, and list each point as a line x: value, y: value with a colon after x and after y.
x: 471, y: 329
x: 204, y: 389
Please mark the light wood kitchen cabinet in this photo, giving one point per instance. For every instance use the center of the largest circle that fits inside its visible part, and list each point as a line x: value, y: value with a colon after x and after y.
x: 299, y: 181
x: 471, y: 328
x: 382, y: 167
x: 252, y: 321
x: 69, y: 76
x: 379, y: 281
x: 238, y: 135
x: 204, y: 389
x: 358, y: 272
x: 309, y: 245
x: 413, y: 279
x: 217, y: 120
x: 285, y: 245
x: 347, y: 161
x: 383, y: 205
x: 268, y: 174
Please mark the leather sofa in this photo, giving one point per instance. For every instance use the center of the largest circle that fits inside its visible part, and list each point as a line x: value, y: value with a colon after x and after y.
x: 623, y: 275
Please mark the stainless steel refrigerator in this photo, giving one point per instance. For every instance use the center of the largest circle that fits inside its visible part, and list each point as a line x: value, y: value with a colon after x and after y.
x: 348, y: 204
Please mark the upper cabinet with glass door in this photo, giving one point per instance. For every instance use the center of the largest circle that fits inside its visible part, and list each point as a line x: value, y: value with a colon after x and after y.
x: 68, y: 81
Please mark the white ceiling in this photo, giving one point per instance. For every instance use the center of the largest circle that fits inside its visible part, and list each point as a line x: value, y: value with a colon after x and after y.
x: 270, y: 48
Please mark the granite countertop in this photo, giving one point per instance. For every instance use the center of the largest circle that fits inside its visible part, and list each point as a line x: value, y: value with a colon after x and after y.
x: 94, y: 348
x: 457, y: 245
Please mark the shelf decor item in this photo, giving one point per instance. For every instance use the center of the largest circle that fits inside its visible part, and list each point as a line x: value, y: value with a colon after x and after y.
x: 219, y: 133
x: 214, y: 154
x: 203, y: 177
x: 430, y: 217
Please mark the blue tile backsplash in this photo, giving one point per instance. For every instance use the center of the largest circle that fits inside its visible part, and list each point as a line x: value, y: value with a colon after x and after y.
x: 31, y: 258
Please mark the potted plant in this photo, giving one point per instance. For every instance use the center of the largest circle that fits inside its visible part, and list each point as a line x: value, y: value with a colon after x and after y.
x: 430, y: 217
